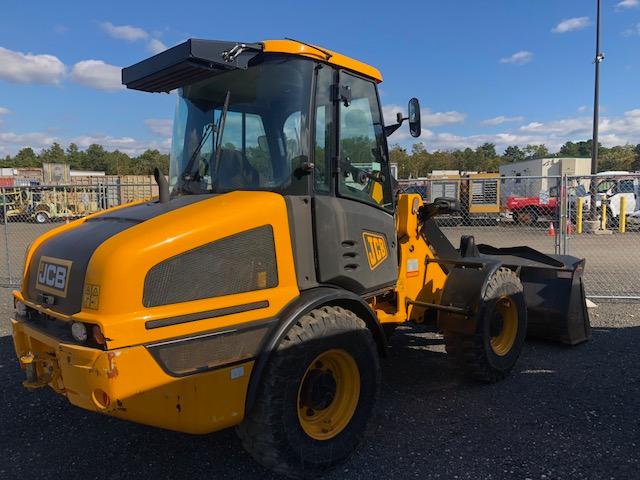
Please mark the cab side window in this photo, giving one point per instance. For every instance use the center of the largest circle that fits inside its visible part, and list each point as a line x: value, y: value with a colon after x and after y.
x: 324, y: 130
x: 364, y: 170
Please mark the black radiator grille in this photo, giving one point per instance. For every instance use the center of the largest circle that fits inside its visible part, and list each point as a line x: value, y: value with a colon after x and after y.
x: 243, y: 262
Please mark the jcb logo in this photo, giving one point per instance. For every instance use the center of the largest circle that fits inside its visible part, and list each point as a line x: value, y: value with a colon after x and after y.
x: 53, y: 276
x: 376, y: 247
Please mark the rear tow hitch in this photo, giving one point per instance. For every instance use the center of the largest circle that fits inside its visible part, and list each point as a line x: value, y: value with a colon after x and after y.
x: 32, y: 381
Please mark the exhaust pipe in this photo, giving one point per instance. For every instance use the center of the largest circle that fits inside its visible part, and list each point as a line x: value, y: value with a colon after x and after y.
x: 163, y: 186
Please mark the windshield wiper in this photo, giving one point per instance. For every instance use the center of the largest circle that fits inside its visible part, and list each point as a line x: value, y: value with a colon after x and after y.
x: 186, y: 173
x: 219, y: 131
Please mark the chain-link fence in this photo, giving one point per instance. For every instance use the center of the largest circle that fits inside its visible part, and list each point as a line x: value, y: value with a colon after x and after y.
x: 551, y: 214
x: 26, y: 212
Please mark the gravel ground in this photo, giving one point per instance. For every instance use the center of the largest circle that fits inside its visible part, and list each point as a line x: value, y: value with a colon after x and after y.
x: 564, y: 413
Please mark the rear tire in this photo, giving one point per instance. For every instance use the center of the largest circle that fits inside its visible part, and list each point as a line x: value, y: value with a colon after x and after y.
x: 490, y: 353
x: 527, y: 216
x: 316, y: 397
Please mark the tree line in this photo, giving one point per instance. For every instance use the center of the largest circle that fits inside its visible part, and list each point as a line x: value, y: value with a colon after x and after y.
x: 418, y: 162
x: 414, y: 162
x: 95, y: 158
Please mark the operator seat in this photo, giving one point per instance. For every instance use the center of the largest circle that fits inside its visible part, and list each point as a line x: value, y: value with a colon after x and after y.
x: 235, y: 172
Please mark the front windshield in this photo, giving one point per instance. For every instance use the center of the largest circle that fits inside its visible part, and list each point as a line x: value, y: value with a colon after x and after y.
x: 263, y: 140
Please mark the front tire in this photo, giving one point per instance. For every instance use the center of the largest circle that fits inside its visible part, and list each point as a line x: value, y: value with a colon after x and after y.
x: 316, y: 396
x: 490, y: 353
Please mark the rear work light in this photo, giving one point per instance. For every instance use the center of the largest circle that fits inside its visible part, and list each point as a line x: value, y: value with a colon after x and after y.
x: 88, y: 334
x: 21, y: 308
x: 79, y: 332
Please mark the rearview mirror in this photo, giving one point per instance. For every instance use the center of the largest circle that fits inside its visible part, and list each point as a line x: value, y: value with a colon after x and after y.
x: 415, y: 124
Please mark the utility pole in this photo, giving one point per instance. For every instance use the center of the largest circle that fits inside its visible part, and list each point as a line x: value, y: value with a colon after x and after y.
x: 593, y: 216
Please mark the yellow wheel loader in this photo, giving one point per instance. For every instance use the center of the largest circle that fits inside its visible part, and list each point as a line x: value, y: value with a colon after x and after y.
x: 258, y: 290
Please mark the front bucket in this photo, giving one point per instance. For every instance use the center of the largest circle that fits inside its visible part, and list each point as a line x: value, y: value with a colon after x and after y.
x: 556, y: 303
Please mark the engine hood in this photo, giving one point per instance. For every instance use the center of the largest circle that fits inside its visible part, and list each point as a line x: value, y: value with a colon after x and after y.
x: 57, y: 269
x: 114, y: 251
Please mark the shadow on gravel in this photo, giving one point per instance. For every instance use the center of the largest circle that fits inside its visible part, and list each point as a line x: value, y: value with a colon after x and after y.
x: 565, y: 412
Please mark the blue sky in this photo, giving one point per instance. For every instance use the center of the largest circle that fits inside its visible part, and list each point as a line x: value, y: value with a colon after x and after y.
x: 503, y: 71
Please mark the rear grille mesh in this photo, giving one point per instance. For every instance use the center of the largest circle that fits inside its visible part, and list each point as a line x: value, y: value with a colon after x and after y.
x: 239, y: 263
x: 207, y: 352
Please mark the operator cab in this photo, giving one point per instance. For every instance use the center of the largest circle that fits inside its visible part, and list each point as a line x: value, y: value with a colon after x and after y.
x: 294, y: 119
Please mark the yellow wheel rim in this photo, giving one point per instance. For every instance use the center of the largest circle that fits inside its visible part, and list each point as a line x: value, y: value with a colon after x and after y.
x: 504, y: 327
x: 328, y: 394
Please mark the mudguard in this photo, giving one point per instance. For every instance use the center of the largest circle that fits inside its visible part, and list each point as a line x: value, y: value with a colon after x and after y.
x: 465, y: 289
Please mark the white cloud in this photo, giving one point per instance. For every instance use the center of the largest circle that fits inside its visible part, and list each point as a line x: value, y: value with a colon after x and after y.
x: 499, y: 120
x: 4, y: 111
x: 12, y: 142
x: 570, y: 24
x: 436, y: 119
x: 133, y: 34
x: 161, y: 127
x: 18, y: 67
x: 635, y: 30
x: 626, y: 4
x: 130, y: 146
x: 621, y: 130
x: 156, y: 46
x: 448, y: 141
x: 583, y: 108
x: 518, y: 58
x: 429, y: 118
x: 97, y: 74
x: 566, y: 126
x: 124, y: 32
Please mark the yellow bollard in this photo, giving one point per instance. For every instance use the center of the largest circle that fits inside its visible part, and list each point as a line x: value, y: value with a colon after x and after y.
x: 579, y: 214
x: 623, y: 214
x: 603, y: 209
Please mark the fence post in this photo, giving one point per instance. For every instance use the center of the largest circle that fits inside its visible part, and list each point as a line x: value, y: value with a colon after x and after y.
x: 623, y: 214
x: 6, y: 234
x: 603, y: 212
x: 579, y: 210
x: 558, y: 218
x: 564, y: 221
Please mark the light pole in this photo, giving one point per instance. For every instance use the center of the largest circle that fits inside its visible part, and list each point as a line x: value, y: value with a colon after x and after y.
x: 593, y: 216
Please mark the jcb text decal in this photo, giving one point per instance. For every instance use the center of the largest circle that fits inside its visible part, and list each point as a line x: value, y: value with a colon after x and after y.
x: 53, y: 276
x: 376, y: 247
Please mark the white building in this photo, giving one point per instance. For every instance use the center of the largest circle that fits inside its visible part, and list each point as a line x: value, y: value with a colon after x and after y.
x: 542, y: 167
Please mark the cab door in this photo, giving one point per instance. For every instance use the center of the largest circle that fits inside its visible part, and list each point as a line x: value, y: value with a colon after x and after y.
x: 353, y: 206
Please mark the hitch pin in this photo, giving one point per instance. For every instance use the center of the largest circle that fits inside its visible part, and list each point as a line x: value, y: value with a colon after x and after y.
x: 30, y: 366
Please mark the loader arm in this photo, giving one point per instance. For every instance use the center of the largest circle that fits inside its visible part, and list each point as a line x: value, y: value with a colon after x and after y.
x: 454, y: 280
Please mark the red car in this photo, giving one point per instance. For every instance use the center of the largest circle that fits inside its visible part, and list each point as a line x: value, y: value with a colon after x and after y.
x: 527, y: 210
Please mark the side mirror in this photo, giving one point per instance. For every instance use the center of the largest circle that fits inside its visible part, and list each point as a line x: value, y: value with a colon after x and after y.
x: 415, y: 124
x: 263, y: 145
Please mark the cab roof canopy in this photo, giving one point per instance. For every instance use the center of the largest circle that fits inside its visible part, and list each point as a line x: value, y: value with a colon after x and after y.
x: 194, y: 60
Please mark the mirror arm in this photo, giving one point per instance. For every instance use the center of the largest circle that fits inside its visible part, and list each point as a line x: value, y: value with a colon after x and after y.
x: 390, y: 129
